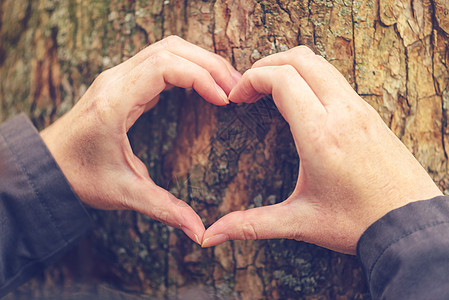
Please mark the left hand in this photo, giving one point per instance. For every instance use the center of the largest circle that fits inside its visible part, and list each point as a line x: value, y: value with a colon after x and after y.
x: 90, y: 144
x: 353, y: 169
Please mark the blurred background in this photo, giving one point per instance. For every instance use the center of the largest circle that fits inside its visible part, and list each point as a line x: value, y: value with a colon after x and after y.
x: 394, y: 53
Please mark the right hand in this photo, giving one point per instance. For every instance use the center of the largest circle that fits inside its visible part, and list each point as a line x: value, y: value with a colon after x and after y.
x: 353, y: 169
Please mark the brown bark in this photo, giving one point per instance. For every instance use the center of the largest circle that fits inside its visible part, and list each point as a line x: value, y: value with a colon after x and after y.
x: 394, y: 53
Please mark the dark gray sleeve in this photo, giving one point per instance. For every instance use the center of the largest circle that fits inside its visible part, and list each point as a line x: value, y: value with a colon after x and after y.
x: 40, y: 216
x: 405, y: 254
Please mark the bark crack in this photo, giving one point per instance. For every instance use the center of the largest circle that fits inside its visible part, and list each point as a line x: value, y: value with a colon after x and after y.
x: 433, y: 38
x: 356, y: 87
x: 212, y: 26
x: 285, y: 9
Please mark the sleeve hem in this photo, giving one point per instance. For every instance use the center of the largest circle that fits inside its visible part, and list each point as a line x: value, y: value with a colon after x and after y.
x: 40, y: 215
x: 62, y: 205
x: 397, y: 225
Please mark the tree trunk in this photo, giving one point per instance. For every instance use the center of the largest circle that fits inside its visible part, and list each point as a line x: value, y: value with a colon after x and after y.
x: 220, y: 159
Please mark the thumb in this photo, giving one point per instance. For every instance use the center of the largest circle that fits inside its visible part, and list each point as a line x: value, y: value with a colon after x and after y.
x: 161, y: 205
x: 274, y: 221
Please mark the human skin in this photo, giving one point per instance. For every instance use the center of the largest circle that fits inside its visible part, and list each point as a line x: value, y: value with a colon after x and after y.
x: 90, y: 144
x: 353, y: 169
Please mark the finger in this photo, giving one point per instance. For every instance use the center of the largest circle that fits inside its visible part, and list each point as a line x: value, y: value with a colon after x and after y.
x: 149, y: 79
x: 220, y: 69
x: 322, y: 77
x: 236, y: 75
x: 274, y: 221
x: 293, y: 97
x: 160, y: 205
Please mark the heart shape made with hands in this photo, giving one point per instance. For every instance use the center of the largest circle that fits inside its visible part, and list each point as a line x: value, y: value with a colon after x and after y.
x: 215, y: 80
x: 240, y: 129
x: 314, y: 99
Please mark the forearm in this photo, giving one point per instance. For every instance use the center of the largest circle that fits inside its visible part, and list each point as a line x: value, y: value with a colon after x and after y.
x: 40, y: 216
x: 405, y: 253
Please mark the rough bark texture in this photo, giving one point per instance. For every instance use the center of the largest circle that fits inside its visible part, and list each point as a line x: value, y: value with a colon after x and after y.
x: 394, y: 53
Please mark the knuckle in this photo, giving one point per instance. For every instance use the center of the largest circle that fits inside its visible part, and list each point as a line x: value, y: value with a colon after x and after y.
x: 286, y: 71
x: 220, y: 65
x: 176, y: 201
x: 251, y: 76
x: 358, y: 112
x: 223, y: 60
x: 158, y: 58
x: 247, y: 228
x: 104, y: 76
x: 367, y: 117
x: 204, y: 75
x: 126, y: 204
x: 249, y: 232
x: 249, y: 73
x: 288, y: 75
x: 101, y: 83
x: 303, y: 51
x: 171, y: 41
x: 199, y: 74
x: 160, y: 215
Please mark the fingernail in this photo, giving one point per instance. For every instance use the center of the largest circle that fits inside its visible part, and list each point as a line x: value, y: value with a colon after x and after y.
x: 222, y: 94
x: 215, y: 240
x: 191, y: 235
x: 231, y: 94
x: 197, y: 239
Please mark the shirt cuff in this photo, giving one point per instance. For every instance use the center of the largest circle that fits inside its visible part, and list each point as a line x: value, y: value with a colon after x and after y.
x: 52, y: 189
x: 41, y: 216
x: 401, y: 249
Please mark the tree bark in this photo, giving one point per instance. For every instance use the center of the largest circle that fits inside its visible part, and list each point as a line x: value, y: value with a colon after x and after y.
x: 220, y: 159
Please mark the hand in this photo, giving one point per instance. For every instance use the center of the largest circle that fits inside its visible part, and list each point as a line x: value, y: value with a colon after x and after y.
x: 353, y: 169
x: 90, y: 144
